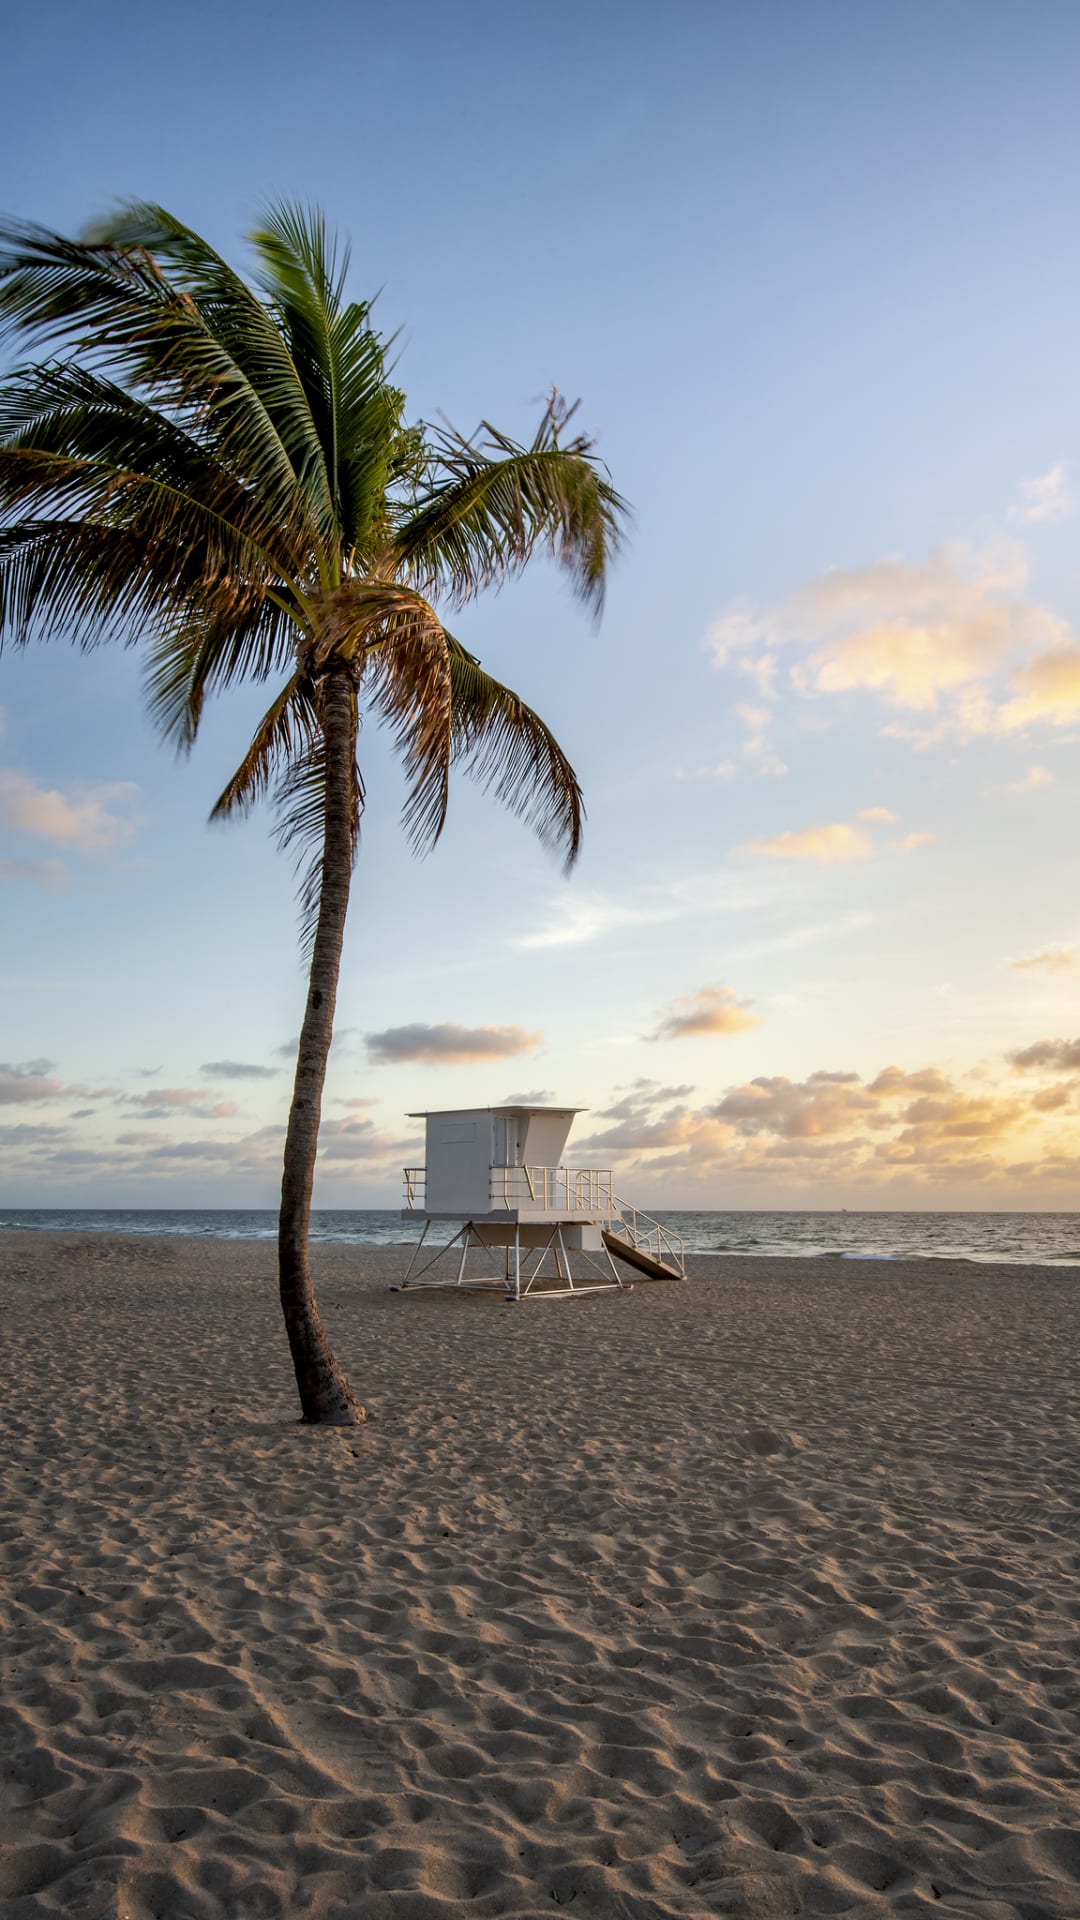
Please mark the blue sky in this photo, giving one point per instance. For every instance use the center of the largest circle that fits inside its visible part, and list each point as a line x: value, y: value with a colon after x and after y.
x: 813, y: 270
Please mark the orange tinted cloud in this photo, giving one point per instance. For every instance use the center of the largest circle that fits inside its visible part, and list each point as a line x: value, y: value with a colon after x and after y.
x: 825, y: 1103
x: 1034, y: 777
x: 911, y: 630
x: 1047, y: 960
x: 924, y: 1127
x: 81, y: 819
x: 952, y: 637
x: 826, y: 845
x: 711, y: 1010
x: 1047, y: 688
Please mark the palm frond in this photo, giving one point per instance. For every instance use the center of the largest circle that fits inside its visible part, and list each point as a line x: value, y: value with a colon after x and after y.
x: 287, y: 759
x: 407, y: 682
x: 73, y: 411
x: 122, y: 547
x: 503, y: 744
x: 203, y: 651
x: 286, y: 737
x: 96, y: 583
x: 491, y: 503
x: 148, y: 301
x: 341, y: 364
x: 88, y: 295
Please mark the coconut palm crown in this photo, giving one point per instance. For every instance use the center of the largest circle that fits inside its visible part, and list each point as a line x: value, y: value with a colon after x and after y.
x: 221, y: 472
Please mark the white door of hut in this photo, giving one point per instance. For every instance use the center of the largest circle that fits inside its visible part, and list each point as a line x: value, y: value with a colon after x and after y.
x: 509, y: 1150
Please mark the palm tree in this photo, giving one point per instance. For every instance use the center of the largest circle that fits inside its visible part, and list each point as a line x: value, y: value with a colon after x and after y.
x: 222, y: 472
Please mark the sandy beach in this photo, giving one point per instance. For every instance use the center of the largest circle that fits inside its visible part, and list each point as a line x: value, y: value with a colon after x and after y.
x: 754, y: 1596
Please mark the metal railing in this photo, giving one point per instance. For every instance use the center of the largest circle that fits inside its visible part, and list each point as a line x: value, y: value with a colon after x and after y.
x: 565, y: 1190
x: 649, y: 1236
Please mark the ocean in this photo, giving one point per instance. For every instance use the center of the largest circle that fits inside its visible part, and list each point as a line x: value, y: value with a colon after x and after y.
x: 1035, y: 1239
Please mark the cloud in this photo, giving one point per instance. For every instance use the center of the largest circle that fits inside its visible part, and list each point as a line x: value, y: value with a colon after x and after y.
x: 1047, y: 960
x: 25, y: 1134
x: 911, y: 841
x: 290, y: 1048
x: 1057, y: 1056
x: 50, y: 874
x: 823, y: 844
x: 757, y: 747
x: 824, y: 1104
x: 1046, y: 498
x: 893, y: 1083
x: 574, y: 921
x: 1047, y: 688
x: 909, y: 629
x: 165, y: 1102
x: 872, y: 1136
x: 952, y: 637
x: 448, y: 1045
x: 880, y: 1139
x: 724, y: 771
x: 80, y: 819
x: 537, y: 1097
x: 711, y: 1010
x: 879, y: 816
x: 238, y: 1070
x: 912, y: 631
x: 35, y: 1080
x: 138, y: 1157
x: 636, y: 1095
x: 1034, y: 777
x: 357, y: 1139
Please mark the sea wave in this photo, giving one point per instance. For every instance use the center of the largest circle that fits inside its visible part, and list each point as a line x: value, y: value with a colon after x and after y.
x: 1032, y: 1239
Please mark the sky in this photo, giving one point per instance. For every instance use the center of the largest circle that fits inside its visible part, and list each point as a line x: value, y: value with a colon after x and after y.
x: 814, y: 272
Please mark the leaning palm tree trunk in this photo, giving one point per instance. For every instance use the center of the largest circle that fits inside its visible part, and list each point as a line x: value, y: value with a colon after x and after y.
x: 325, y: 1393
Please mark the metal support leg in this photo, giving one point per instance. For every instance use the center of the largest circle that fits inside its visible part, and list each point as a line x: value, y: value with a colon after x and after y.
x: 517, y: 1270
x: 416, y: 1252
x: 562, y: 1259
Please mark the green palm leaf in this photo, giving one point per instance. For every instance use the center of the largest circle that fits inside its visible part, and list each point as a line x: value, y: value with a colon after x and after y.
x: 503, y: 744
x: 491, y: 503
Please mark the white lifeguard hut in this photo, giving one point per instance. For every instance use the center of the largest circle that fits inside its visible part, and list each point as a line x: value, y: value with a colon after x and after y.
x: 500, y: 1172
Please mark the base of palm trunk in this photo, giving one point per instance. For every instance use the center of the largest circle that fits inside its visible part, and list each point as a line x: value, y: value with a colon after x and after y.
x: 326, y: 1398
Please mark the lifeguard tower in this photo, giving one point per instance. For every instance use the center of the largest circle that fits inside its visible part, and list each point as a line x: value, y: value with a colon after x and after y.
x: 529, y: 1218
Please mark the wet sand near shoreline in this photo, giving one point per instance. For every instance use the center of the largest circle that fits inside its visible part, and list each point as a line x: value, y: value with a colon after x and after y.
x: 755, y: 1595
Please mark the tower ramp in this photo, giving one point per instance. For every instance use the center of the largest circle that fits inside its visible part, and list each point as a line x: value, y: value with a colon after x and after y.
x: 641, y: 1258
